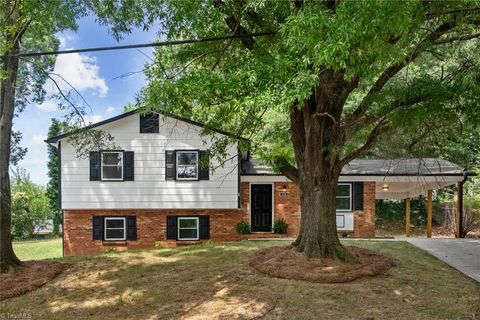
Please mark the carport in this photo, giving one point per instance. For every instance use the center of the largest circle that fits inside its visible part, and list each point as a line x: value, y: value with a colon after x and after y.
x: 408, y: 178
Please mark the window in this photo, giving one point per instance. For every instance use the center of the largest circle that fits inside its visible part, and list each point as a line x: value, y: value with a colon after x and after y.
x: 344, y: 197
x: 112, y: 165
x: 187, y: 165
x: 115, y: 229
x: 188, y: 228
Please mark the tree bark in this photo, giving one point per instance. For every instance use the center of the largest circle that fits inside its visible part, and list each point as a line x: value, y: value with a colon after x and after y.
x: 318, y: 236
x: 317, y: 138
x: 8, y: 258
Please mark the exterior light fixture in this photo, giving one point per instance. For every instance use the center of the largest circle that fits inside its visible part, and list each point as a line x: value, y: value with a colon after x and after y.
x: 284, y: 188
x: 385, y: 187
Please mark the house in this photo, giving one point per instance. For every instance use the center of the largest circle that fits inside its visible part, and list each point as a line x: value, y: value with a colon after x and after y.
x: 153, y: 190
x: 43, y: 229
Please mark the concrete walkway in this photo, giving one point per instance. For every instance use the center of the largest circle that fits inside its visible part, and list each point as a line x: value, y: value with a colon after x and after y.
x: 462, y: 254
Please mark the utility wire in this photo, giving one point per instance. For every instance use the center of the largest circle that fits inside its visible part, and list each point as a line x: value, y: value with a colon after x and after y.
x: 144, y: 45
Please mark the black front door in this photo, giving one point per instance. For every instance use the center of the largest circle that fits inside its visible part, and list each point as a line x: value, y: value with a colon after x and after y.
x: 261, y: 207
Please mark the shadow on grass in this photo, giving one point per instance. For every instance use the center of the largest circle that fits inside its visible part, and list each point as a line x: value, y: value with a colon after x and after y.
x: 215, y: 281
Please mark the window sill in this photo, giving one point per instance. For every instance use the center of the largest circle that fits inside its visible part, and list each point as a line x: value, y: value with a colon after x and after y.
x: 187, y: 242
x: 114, y: 242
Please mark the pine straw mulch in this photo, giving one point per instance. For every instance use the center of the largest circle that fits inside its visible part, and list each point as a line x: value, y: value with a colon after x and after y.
x: 28, y: 276
x: 288, y: 263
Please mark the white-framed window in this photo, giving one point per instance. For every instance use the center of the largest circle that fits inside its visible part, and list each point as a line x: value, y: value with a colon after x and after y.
x: 115, y: 228
x: 112, y: 165
x: 187, y: 165
x: 344, y: 197
x: 188, y: 228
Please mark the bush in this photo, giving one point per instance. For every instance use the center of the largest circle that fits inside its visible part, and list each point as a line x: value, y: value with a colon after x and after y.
x: 243, y: 227
x: 30, y: 206
x: 280, y: 226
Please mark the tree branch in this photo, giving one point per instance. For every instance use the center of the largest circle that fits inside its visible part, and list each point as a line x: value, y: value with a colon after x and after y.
x: 287, y: 169
x: 457, y: 38
x: 391, y: 71
x: 234, y: 25
x: 372, y: 138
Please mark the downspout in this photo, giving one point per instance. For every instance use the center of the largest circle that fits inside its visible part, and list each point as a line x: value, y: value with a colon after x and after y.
x: 460, y: 204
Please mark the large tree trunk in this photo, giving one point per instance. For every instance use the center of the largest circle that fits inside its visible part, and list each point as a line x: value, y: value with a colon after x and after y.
x: 7, y: 95
x: 317, y: 138
x: 318, y: 237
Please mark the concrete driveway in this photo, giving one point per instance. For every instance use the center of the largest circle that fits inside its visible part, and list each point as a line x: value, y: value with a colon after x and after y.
x: 462, y: 254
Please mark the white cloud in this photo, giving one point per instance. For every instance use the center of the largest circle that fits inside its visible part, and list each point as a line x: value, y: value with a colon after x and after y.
x: 66, y: 38
x: 81, y: 72
x: 109, y: 110
x: 47, y: 106
x: 93, y: 118
x: 38, y: 139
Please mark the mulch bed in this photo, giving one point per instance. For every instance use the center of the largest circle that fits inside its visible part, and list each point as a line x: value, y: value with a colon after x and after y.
x: 28, y: 276
x: 288, y: 263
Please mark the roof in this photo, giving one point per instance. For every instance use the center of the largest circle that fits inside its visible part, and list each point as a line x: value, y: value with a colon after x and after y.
x: 45, y: 227
x: 378, y: 167
x: 127, y: 114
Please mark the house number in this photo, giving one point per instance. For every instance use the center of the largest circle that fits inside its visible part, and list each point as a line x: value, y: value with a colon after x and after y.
x: 283, y: 193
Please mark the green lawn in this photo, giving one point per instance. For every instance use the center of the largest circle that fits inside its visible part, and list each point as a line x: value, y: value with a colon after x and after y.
x: 38, y: 249
x: 215, y: 281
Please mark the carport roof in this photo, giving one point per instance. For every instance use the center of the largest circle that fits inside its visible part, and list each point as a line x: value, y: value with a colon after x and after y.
x: 378, y: 167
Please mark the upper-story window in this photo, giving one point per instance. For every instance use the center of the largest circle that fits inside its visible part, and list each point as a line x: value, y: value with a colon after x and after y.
x: 112, y: 165
x: 187, y: 165
x: 344, y: 197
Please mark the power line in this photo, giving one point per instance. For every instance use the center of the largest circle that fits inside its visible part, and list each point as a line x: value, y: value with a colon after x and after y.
x: 144, y: 45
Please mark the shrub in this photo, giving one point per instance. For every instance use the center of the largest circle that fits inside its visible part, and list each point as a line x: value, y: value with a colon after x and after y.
x: 110, y: 250
x: 280, y: 226
x: 243, y: 227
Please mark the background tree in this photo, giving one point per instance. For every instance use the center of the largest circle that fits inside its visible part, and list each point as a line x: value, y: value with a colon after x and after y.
x: 56, y: 128
x: 26, y: 25
x: 30, y: 207
x: 338, y: 75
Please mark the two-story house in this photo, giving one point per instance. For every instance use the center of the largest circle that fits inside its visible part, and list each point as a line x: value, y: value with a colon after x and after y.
x: 154, y: 190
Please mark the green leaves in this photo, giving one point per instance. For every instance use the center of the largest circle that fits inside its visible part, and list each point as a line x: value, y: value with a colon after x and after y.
x: 252, y: 90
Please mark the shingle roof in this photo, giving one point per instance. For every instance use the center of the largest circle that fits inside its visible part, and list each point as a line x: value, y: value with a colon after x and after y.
x: 379, y: 167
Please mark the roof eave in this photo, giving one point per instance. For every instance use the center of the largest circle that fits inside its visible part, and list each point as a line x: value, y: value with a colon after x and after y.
x: 129, y: 113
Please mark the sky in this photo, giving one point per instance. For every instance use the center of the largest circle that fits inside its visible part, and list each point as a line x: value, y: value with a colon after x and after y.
x: 94, y: 75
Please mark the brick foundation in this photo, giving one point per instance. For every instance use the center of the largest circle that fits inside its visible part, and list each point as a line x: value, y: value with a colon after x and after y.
x: 151, y: 224
x: 151, y: 227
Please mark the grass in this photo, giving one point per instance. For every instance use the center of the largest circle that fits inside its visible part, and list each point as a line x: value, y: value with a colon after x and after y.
x: 214, y: 281
x: 38, y: 249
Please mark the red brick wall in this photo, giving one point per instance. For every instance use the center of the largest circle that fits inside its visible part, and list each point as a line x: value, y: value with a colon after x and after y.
x: 151, y: 227
x: 364, y: 221
x: 151, y: 224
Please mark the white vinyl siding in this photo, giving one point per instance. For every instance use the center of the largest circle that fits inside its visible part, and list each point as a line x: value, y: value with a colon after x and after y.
x: 150, y: 190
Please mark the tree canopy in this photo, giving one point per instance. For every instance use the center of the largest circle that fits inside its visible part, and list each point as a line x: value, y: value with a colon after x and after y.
x: 329, y: 81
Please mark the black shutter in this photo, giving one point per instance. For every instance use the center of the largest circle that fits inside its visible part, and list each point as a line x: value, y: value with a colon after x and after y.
x: 149, y: 123
x: 128, y: 166
x: 169, y: 165
x: 94, y: 166
x: 358, y: 196
x: 204, y: 227
x: 204, y: 173
x: 131, y: 228
x: 171, y: 228
x: 97, y: 228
